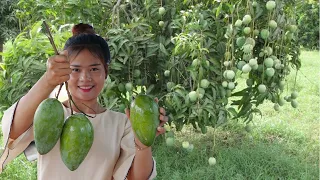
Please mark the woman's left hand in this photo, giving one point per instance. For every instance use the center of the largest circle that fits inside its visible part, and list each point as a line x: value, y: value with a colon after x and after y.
x: 163, y: 119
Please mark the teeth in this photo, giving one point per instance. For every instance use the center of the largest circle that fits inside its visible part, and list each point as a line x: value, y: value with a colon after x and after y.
x: 86, y: 87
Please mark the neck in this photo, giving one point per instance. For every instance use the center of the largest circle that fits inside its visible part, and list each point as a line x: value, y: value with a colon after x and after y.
x: 88, y: 107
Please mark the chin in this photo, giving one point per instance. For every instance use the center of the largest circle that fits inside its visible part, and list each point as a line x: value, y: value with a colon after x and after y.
x: 85, y: 98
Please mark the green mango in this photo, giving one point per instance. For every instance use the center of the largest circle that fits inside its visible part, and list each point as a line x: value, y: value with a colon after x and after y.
x: 144, y: 116
x: 76, y: 140
x: 47, y: 124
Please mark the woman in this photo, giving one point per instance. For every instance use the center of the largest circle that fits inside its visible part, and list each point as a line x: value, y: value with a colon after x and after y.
x: 115, y: 153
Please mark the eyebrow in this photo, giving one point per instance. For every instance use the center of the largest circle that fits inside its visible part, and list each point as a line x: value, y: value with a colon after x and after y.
x: 75, y: 65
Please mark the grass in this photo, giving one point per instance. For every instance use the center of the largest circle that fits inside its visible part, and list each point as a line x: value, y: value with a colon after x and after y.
x: 281, y: 145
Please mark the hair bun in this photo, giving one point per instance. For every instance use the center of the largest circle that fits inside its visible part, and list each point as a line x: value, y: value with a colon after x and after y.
x: 82, y: 29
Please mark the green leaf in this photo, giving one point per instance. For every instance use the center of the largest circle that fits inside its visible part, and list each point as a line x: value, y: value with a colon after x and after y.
x: 233, y: 111
x: 111, y: 104
x: 209, y: 110
x: 150, y: 88
x: 256, y: 110
x: 240, y: 93
x: 201, y: 72
x: 116, y: 66
x: 260, y: 98
x: 245, y: 108
x: 122, y: 42
x: 180, y: 92
x: 143, y: 37
x: 218, y: 10
x: 163, y: 49
x: 138, y: 62
x: 3, y: 66
x: 221, y: 118
x: 249, y: 118
x: 177, y: 101
x: 36, y: 29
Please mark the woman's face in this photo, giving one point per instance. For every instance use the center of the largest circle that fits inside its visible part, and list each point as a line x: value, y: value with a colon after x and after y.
x: 87, y: 77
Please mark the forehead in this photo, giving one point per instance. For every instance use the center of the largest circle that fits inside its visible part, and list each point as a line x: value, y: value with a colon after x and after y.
x: 84, y: 57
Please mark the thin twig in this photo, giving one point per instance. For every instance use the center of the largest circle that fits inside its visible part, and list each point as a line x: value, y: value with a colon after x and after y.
x: 50, y: 38
x: 54, y: 48
x: 60, y: 87
x: 306, y: 77
x: 57, y: 53
x: 71, y: 100
x: 69, y: 96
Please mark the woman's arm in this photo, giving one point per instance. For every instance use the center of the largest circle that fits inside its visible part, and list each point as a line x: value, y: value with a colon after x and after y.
x: 142, y: 164
x: 58, y: 71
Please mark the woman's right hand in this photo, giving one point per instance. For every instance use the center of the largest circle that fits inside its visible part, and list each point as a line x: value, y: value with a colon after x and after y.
x: 58, y: 69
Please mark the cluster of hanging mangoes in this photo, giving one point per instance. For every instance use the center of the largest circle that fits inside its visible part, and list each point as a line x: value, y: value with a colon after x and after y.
x: 75, y: 133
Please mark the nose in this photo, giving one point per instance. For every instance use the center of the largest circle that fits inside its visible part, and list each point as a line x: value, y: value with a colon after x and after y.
x: 85, y: 76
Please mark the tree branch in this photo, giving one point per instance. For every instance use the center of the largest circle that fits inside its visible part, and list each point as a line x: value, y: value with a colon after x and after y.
x: 114, y: 9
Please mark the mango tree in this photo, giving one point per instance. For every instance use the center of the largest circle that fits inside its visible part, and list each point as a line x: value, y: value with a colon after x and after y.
x: 189, y: 54
x: 8, y: 23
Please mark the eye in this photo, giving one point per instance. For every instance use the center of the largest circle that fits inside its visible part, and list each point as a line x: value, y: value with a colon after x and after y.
x: 75, y: 70
x: 94, y: 69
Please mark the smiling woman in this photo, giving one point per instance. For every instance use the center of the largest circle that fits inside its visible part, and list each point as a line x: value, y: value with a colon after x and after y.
x: 87, y: 78
x: 116, y: 152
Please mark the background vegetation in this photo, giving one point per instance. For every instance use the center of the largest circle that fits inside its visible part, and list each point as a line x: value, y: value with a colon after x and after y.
x: 307, y: 15
x: 281, y: 145
x: 192, y: 50
x: 191, y: 54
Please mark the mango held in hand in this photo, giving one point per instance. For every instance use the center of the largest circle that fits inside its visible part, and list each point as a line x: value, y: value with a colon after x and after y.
x: 76, y: 140
x: 48, y: 122
x: 144, y: 115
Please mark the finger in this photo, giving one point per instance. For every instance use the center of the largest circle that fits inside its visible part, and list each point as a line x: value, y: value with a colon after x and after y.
x: 64, y: 53
x: 64, y: 78
x: 162, y: 111
x: 55, y: 73
x: 63, y: 65
x: 62, y: 72
x: 60, y: 59
x: 160, y: 130
x: 127, y: 113
x: 163, y: 118
x: 52, y: 65
x: 162, y: 124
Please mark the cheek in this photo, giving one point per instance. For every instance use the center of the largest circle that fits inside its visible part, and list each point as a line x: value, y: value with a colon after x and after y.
x: 73, y: 82
x: 101, y: 79
x: 73, y: 78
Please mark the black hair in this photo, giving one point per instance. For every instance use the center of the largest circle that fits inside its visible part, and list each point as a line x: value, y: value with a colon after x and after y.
x: 84, y: 37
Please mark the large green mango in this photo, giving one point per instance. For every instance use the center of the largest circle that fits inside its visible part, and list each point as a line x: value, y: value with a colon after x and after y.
x: 76, y: 140
x: 47, y: 124
x: 144, y: 116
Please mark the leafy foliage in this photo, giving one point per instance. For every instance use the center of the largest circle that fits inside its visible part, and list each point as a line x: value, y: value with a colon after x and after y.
x: 308, y: 22
x: 60, y: 12
x: 8, y: 22
x: 24, y: 62
x: 187, y: 54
